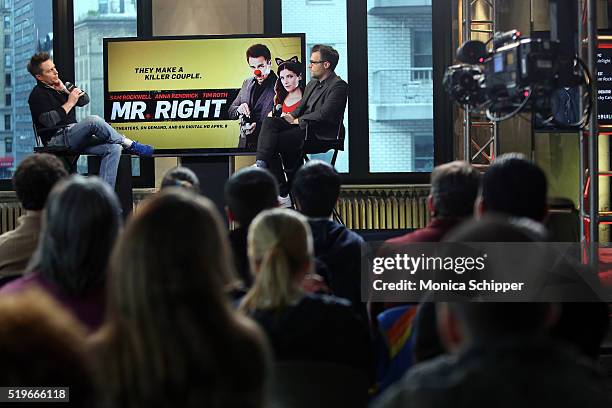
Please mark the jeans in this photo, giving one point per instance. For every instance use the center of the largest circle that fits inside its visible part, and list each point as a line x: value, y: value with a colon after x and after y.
x: 94, y: 136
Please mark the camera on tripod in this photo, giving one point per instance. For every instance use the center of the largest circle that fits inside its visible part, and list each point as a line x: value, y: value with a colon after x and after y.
x: 517, y: 74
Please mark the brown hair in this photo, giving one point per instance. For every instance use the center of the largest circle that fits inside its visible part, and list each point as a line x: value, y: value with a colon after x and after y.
x: 328, y: 54
x: 172, y: 338
x: 35, y: 62
x: 454, y: 187
x: 280, y: 93
x: 42, y: 345
x: 258, y: 50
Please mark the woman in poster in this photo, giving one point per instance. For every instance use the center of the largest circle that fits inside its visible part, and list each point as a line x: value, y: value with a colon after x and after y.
x: 289, y: 86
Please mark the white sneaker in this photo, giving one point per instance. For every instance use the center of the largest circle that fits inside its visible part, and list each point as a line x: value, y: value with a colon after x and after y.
x: 285, y: 202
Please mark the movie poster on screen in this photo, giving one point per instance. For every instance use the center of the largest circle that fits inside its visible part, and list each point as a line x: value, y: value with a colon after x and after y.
x: 175, y: 93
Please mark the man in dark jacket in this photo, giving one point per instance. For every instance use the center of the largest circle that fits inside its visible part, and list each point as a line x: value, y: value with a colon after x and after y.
x: 52, y: 107
x: 321, y: 112
x: 248, y: 192
x: 500, y: 356
x: 256, y: 97
x: 454, y: 187
x: 338, y: 250
x: 515, y: 187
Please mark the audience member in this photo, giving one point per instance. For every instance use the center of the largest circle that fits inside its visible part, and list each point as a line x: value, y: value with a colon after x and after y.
x: 180, y: 176
x: 33, y: 180
x: 514, y: 186
x: 454, y: 188
x: 300, y: 326
x: 42, y: 345
x: 499, y: 356
x: 426, y: 341
x: 171, y: 338
x: 337, y: 250
x: 81, y: 223
x: 247, y: 192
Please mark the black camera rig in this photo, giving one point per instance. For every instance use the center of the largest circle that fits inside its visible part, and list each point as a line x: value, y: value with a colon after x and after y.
x: 517, y: 74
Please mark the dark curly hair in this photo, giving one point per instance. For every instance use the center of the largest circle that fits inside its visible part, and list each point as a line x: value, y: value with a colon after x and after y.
x: 35, y: 62
x: 35, y: 177
x: 279, y: 90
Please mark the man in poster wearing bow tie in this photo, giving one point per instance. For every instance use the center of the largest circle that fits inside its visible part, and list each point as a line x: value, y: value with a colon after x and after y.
x: 256, y: 97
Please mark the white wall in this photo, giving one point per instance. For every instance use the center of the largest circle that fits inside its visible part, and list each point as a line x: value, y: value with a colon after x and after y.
x: 193, y: 17
x: 190, y: 17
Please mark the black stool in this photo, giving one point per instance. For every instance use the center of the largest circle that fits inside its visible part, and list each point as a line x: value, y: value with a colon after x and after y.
x: 123, y: 184
x: 316, y: 147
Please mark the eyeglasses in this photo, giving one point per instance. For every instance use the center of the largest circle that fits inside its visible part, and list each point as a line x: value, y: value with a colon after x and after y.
x: 317, y: 62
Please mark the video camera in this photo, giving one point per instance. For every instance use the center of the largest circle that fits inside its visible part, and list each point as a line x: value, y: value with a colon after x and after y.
x: 518, y: 74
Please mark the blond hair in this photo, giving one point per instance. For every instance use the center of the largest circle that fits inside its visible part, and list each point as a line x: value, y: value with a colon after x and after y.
x: 280, y: 248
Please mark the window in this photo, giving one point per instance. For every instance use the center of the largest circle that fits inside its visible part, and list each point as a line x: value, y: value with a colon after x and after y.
x: 8, y: 145
x: 93, y: 21
x: 421, y: 55
x: 400, y: 88
x: 315, y: 18
x: 423, y: 152
x: 27, y: 30
x: 421, y: 50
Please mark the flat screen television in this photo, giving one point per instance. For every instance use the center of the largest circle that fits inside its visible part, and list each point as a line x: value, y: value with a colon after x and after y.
x: 176, y: 93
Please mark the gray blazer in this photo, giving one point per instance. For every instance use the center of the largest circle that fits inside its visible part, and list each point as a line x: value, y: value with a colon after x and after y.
x: 322, y: 107
x: 259, y: 111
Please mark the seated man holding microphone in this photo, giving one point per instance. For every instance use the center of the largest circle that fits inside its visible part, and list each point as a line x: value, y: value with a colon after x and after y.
x: 52, y: 106
x: 321, y: 110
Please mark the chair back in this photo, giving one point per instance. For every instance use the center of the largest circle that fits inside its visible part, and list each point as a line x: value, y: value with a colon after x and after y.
x: 301, y: 384
x: 68, y: 156
x: 37, y: 138
x: 322, y: 146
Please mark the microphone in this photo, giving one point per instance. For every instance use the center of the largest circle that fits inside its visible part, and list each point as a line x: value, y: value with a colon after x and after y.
x: 69, y: 86
x: 277, y: 110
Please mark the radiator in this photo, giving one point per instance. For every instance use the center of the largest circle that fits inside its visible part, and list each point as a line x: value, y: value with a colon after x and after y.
x: 374, y: 207
x: 9, y: 212
x: 359, y: 207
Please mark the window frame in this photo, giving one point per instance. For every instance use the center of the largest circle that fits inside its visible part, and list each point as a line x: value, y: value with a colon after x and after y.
x: 63, y: 50
x: 415, y: 55
x: 357, y: 58
x: 357, y: 54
